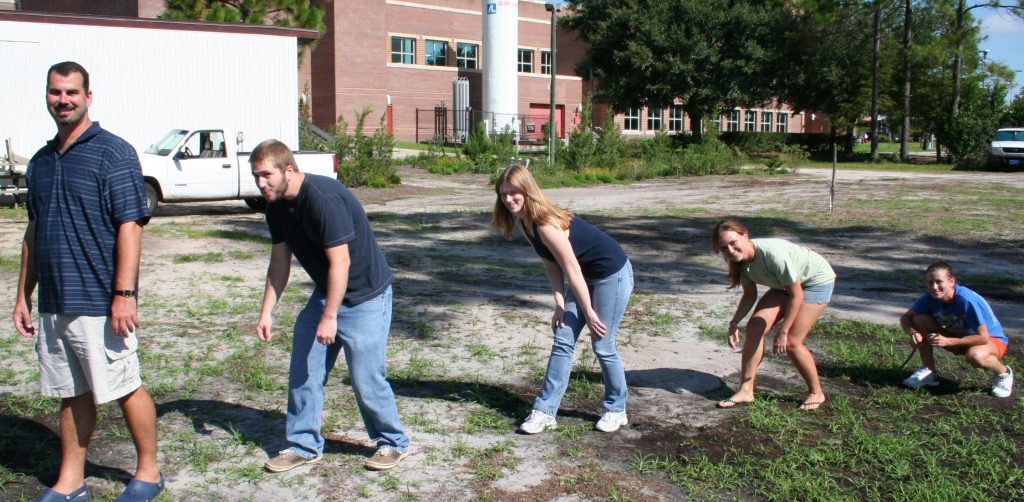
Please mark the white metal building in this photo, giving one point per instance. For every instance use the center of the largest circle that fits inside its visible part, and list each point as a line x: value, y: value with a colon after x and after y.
x: 148, y: 76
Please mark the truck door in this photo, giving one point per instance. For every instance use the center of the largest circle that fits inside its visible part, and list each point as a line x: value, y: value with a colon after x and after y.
x: 202, y: 169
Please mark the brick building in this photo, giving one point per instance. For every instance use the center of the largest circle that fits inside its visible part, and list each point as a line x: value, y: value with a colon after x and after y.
x: 407, y: 53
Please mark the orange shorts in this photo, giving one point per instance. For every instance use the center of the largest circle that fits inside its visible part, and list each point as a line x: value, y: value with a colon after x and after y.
x: 1000, y: 346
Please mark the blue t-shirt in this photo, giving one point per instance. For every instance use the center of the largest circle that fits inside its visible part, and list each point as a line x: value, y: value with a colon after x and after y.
x: 598, y: 254
x: 325, y: 214
x: 78, y: 200
x: 963, y: 315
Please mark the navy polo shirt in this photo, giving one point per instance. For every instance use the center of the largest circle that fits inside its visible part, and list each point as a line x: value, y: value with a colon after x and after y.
x: 78, y: 200
x: 325, y: 214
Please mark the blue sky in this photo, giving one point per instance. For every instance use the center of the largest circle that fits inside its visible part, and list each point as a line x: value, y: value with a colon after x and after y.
x: 1005, y: 42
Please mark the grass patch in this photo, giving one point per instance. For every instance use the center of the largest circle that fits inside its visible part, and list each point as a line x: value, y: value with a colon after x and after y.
x: 10, y: 263
x: 874, y: 439
x: 9, y: 213
x: 176, y: 229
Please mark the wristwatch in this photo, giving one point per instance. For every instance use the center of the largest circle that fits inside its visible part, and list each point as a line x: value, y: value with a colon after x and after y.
x: 127, y: 293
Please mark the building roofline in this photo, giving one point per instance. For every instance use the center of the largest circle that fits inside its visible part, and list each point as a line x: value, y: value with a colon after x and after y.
x: 157, y: 24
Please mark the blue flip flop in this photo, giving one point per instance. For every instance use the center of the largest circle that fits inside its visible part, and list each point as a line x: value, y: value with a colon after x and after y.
x: 51, y: 496
x: 141, y: 491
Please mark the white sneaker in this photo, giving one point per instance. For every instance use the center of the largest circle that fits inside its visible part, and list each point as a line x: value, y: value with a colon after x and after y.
x: 611, y: 421
x: 1004, y: 384
x: 538, y: 422
x: 923, y: 377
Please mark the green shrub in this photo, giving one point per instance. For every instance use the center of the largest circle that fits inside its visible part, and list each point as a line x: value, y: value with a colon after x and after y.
x: 709, y: 157
x: 365, y: 160
x: 451, y: 165
x: 610, y: 146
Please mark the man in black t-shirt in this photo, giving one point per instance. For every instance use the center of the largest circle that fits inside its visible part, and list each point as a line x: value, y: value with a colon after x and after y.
x: 319, y: 221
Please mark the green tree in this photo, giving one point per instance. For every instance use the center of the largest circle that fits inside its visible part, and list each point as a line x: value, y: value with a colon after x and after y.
x: 828, y: 54
x: 710, y: 54
x: 293, y: 13
x: 1014, y: 115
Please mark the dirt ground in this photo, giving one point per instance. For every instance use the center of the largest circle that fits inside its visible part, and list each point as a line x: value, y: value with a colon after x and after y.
x: 468, y: 344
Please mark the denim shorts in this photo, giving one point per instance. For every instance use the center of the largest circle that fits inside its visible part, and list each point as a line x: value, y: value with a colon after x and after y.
x: 819, y: 294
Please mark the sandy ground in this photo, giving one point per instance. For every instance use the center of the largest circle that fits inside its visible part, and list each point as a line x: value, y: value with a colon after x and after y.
x: 468, y: 344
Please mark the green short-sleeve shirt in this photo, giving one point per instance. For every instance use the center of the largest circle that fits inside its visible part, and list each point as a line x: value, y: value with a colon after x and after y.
x: 778, y: 263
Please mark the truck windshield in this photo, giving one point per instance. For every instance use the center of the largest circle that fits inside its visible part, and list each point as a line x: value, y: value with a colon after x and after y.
x: 167, y: 143
x: 1009, y: 135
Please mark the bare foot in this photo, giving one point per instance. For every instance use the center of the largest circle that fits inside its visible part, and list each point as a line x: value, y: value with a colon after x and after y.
x: 734, y: 401
x: 813, y: 402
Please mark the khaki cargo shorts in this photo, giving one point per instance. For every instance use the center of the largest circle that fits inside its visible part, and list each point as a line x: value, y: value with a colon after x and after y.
x: 78, y: 354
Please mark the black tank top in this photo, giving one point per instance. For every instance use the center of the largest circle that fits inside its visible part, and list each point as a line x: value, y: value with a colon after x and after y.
x: 598, y: 254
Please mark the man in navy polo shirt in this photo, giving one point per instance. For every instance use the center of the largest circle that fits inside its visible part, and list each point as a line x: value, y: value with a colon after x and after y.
x: 317, y: 219
x: 86, y: 209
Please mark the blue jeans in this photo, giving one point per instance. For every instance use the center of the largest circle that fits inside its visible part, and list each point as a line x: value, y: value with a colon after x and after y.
x: 363, y: 333
x: 609, y: 297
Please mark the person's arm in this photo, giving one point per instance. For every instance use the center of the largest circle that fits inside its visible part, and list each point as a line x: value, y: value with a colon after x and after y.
x: 124, y: 318
x: 557, y: 282
x: 907, y: 325
x: 277, y: 278
x: 980, y: 337
x: 746, y: 303
x: 338, y: 263
x: 557, y: 241
x: 796, y: 300
x: 26, y: 284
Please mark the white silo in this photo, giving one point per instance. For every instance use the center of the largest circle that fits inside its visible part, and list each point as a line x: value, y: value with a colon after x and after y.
x: 500, y: 64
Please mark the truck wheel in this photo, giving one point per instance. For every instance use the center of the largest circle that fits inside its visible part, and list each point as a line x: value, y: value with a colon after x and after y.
x: 151, y: 198
x: 256, y: 203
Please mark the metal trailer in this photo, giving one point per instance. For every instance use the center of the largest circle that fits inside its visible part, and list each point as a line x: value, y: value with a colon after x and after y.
x: 149, y: 75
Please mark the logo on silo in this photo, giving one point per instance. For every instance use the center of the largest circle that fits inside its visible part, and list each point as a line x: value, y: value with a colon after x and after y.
x: 492, y: 8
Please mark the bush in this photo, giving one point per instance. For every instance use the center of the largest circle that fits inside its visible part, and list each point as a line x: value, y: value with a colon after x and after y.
x: 452, y: 165
x: 486, y: 155
x: 365, y: 160
x: 710, y: 157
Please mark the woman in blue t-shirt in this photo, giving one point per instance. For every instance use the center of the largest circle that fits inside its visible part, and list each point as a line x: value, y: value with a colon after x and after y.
x: 600, y: 280
x: 800, y: 284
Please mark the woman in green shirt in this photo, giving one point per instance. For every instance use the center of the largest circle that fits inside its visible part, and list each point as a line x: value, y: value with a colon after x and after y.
x: 800, y: 286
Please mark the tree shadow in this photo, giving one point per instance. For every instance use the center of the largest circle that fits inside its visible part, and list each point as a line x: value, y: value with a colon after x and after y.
x: 674, y: 380
x: 31, y: 449
x: 262, y: 428
x: 882, y: 377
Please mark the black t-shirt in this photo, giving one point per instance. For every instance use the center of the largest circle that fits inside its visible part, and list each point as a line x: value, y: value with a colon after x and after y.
x: 325, y: 214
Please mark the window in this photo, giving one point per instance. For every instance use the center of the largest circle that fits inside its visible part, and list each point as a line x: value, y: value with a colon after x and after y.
x: 403, y: 50
x: 749, y: 117
x: 545, y: 62
x: 675, y: 118
x: 631, y: 120
x: 525, y: 61
x: 783, y: 124
x: 436, y: 53
x: 734, y: 120
x: 465, y: 55
x: 654, y: 119
x: 766, y: 121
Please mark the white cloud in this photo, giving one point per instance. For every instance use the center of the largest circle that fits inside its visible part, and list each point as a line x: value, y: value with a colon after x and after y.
x: 1001, y: 24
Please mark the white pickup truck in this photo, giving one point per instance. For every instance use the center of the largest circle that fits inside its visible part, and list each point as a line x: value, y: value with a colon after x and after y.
x: 201, y: 165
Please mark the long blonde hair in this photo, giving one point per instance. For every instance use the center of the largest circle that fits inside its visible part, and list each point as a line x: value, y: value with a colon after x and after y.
x: 726, y: 226
x: 536, y: 207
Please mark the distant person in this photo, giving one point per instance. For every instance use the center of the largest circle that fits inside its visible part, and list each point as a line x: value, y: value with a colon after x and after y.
x: 600, y: 281
x: 959, y: 320
x: 800, y: 284
x: 319, y: 220
x: 86, y: 210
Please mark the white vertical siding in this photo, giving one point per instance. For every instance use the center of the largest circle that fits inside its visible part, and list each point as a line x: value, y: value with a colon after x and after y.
x: 146, y: 81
